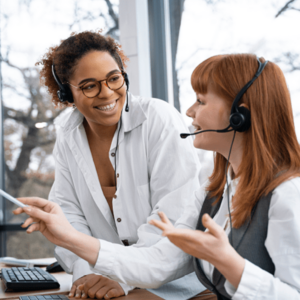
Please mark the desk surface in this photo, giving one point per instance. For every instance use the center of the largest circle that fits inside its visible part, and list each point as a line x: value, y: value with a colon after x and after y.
x: 65, y: 281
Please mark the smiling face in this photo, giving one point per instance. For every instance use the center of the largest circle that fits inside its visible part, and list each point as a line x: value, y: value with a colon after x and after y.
x: 211, y: 112
x: 104, y: 109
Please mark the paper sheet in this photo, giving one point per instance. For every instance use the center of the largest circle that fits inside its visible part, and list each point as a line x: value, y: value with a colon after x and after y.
x: 27, y: 262
x: 180, y: 289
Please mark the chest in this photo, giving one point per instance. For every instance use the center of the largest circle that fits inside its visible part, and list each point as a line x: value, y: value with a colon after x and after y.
x: 100, y: 154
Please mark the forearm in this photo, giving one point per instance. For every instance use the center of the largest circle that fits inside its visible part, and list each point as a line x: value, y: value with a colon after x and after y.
x: 85, y: 246
x: 145, y: 267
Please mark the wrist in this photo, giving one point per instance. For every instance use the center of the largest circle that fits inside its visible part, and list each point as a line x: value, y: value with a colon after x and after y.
x: 73, y: 237
x: 230, y: 264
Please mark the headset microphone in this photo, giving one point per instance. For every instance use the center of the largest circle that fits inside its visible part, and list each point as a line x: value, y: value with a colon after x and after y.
x: 185, y: 135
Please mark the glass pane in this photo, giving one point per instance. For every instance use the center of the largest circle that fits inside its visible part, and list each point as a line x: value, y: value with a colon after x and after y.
x: 212, y: 27
x: 28, y: 29
x: 23, y: 245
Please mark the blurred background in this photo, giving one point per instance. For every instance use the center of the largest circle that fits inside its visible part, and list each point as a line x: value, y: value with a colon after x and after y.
x: 164, y: 40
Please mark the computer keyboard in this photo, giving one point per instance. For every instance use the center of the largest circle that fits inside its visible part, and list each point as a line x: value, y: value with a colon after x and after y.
x: 45, y: 297
x: 28, y: 279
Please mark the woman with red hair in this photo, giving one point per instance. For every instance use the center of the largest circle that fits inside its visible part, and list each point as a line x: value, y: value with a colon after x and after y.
x: 247, y: 242
x: 258, y: 256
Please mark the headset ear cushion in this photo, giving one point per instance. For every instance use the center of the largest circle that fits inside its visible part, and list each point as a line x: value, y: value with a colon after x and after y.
x: 241, y: 120
x: 69, y: 94
x: 65, y: 94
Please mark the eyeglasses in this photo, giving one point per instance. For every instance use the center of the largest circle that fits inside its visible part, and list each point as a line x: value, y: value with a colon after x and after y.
x: 92, y: 88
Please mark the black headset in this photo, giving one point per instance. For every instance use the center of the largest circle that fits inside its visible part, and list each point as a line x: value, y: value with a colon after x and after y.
x: 65, y: 95
x: 240, y: 118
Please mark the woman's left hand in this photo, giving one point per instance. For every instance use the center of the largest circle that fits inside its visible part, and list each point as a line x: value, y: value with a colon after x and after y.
x: 212, y: 245
x: 203, y: 245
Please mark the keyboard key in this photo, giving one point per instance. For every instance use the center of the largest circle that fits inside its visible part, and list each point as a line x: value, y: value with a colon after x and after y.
x: 20, y: 278
x: 55, y: 297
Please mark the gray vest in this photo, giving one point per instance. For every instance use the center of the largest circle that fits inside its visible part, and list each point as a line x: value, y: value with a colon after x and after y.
x: 248, y: 241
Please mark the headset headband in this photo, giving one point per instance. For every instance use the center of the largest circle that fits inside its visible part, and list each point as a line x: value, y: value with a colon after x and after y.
x: 261, y: 66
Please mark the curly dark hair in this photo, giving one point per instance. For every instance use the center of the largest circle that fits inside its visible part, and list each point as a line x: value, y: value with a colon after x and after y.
x: 66, y: 55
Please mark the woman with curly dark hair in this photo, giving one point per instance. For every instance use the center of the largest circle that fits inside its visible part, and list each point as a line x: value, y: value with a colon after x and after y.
x: 119, y: 158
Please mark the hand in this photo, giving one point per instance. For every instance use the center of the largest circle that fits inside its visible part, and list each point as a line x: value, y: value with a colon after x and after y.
x: 46, y: 217
x: 203, y: 245
x: 77, y: 287
x: 212, y: 246
x: 96, y: 286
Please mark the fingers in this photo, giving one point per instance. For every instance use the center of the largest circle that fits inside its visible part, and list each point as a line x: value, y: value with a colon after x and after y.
x: 91, y: 289
x: 29, y: 221
x: 73, y: 290
x: 37, y: 213
x: 90, y: 283
x: 35, y: 201
x: 211, y: 225
x: 113, y: 293
x: 18, y: 211
x: 158, y: 224
x: 164, y: 218
x: 105, y: 288
x: 79, y: 291
x: 165, y: 224
x: 33, y: 227
x: 109, y: 293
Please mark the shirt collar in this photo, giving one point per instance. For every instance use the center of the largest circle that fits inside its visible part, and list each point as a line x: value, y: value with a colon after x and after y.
x: 130, y: 120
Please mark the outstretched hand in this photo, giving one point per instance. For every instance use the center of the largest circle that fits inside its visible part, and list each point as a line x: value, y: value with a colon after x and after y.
x: 204, y: 245
x: 46, y: 217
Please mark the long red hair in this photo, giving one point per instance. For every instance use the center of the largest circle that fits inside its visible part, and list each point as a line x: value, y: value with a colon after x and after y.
x: 271, y: 152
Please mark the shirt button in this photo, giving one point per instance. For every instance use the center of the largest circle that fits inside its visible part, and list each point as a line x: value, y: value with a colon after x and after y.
x: 118, y: 175
x: 119, y: 219
x: 115, y: 197
x: 113, y: 154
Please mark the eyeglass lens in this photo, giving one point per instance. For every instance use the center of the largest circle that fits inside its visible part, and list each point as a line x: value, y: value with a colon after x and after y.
x: 93, y: 88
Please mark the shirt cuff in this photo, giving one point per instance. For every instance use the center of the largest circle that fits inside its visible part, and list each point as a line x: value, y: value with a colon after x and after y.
x: 230, y: 289
x: 126, y: 288
x: 80, y: 268
x: 250, y: 283
x: 105, y: 263
x: 106, y: 259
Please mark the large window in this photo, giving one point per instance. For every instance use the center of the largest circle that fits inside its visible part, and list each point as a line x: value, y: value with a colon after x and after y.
x: 28, y: 29
x: 266, y: 28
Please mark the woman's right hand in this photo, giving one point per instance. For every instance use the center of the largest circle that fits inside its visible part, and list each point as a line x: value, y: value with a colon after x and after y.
x: 48, y: 218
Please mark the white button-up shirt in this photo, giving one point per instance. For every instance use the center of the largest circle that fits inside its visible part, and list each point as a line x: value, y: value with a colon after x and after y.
x: 157, y: 171
x: 150, y: 267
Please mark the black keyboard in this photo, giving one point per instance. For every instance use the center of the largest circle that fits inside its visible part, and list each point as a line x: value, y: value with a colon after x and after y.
x: 45, y: 297
x: 28, y: 279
